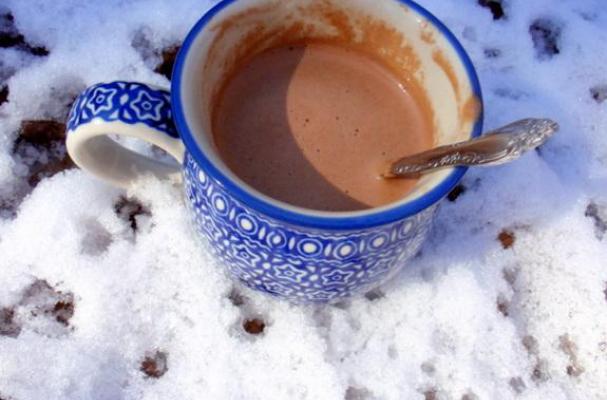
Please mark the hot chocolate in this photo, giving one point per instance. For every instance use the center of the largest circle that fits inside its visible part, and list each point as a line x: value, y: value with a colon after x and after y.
x: 314, y: 124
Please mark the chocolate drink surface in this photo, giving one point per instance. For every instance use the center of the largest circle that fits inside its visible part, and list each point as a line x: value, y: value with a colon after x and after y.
x: 313, y: 125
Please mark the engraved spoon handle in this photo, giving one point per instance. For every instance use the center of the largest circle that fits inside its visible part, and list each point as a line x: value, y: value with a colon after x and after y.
x: 496, y: 147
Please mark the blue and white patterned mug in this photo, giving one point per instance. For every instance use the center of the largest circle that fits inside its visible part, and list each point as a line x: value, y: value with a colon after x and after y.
x: 293, y: 253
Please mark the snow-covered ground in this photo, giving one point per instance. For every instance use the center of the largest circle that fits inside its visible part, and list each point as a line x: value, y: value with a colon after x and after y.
x: 107, y: 295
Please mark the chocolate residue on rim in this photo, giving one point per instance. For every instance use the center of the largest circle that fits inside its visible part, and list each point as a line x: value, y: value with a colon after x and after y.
x: 441, y: 60
x: 426, y: 33
x: 337, y: 19
x: 226, y: 26
x: 469, y: 109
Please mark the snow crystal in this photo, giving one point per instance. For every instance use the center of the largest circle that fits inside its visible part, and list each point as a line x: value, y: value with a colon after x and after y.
x: 108, y: 295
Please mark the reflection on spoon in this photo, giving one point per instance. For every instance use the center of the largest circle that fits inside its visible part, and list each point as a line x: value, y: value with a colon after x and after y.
x: 493, y: 148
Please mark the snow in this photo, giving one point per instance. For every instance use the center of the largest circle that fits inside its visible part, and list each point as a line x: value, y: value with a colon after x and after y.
x: 109, y: 295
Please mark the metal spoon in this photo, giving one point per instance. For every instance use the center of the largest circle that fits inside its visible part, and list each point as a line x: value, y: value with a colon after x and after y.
x: 493, y: 148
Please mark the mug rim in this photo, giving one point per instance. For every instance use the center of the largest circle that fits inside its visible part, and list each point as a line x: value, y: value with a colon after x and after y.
x: 322, y: 220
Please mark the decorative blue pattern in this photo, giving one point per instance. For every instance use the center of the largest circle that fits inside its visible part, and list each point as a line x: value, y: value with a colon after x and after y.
x: 298, y: 263
x: 292, y: 261
x: 126, y: 102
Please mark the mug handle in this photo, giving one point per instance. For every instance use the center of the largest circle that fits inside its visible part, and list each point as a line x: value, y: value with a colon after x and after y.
x: 127, y: 109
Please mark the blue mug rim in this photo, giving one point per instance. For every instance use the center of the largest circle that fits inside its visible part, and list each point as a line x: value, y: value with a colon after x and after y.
x: 333, y: 222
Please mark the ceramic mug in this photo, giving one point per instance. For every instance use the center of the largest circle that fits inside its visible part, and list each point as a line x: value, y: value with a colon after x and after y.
x: 293, y: 253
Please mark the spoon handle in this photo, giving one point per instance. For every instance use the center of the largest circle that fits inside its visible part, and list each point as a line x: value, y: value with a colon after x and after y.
x: 496, y: 147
